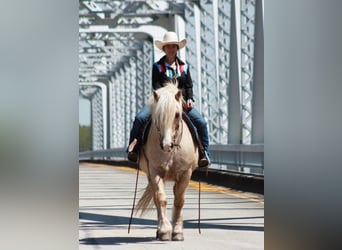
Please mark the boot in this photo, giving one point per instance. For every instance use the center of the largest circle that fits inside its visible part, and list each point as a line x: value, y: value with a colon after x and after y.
x: 132, y: 151
x: 132, y: 156
x: 204, y: 160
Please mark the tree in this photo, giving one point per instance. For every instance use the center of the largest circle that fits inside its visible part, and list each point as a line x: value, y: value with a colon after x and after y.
x: 84, y: 138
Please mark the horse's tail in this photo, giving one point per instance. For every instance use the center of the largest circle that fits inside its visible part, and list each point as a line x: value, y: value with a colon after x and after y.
x: 146, y: 201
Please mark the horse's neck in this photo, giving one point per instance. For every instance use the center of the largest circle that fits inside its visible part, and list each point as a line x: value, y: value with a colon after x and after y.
x: 184, y: 151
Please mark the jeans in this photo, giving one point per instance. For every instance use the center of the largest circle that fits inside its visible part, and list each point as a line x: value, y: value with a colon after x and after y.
x: 201, y: 126
x: 144, y: 115
x: 140, y: 120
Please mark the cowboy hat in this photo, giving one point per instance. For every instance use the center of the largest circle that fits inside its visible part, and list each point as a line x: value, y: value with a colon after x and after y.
x: 170, y: 37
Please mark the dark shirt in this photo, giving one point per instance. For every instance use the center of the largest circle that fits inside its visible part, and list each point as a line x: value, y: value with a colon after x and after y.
x: 161, y: 73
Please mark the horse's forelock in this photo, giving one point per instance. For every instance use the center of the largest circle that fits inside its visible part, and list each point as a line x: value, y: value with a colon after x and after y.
x: 164, y: 109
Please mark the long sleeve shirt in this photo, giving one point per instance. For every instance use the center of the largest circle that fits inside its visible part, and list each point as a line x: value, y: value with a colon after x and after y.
x: 162, y: 72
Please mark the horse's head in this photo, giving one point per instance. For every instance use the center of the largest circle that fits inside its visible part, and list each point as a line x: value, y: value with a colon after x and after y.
x: 166, y: 111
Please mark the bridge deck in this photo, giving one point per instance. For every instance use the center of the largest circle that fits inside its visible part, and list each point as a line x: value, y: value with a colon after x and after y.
x: 229, y: 219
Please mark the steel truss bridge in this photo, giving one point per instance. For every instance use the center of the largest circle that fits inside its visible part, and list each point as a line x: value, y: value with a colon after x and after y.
x: 224, y: 50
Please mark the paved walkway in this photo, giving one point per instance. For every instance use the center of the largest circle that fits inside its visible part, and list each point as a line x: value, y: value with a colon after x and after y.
x: 229, y: 219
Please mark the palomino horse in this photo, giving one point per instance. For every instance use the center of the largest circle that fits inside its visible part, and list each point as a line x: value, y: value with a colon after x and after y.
x: 168, y: 155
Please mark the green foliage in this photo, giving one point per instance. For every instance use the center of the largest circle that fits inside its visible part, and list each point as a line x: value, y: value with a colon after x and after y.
x: 84, y: 138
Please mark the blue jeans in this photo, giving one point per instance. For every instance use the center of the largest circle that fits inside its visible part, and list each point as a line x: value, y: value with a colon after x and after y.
x: 144, y: 115
x: 201, y: 126
x: 140, y: 120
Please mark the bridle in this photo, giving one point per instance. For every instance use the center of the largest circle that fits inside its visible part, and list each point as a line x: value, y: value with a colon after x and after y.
x: 177, y: 135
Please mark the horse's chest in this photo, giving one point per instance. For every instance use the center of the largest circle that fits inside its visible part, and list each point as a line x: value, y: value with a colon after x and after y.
x: 169, y: 171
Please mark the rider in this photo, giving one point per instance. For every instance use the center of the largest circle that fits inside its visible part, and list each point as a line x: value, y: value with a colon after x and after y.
x: 170, y: 66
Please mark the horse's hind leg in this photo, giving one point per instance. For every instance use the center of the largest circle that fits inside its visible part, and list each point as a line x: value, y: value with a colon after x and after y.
x: 177, y: 212
x: 164, y: 226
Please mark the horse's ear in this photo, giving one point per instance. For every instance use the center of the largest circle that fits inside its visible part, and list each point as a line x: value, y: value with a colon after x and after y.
x: 178, y: 95
x: 155, y: 95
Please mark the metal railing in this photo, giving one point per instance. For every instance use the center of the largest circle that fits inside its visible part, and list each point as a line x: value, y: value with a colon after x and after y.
x: 241, y: 158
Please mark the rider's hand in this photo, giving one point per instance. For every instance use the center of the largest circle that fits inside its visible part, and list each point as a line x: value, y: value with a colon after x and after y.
x: 190, y: 104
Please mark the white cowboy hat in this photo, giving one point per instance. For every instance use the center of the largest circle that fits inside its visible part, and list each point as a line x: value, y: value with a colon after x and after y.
x: 170, y: 37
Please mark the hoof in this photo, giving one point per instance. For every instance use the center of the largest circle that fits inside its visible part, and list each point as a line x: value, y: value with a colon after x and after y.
x: 163, y: 236
x: 177, y: 237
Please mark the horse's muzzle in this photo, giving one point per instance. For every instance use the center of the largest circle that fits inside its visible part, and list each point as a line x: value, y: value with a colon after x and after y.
x: 167, y: 147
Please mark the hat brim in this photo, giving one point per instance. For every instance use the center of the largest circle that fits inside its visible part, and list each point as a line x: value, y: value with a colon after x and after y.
x: 161, y: 44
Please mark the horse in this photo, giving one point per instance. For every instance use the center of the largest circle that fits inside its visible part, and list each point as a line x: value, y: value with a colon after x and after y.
x: 169, y: 154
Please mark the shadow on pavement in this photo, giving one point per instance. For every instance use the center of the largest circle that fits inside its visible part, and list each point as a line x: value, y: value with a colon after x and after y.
x: 105, y: 220
x: 115, y: 240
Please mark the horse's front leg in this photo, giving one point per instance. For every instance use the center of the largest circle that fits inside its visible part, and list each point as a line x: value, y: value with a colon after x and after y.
x: 164, y: 226
x: 177, y: 211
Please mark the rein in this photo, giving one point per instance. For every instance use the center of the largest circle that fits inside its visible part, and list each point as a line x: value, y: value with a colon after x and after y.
x: 135, y: 195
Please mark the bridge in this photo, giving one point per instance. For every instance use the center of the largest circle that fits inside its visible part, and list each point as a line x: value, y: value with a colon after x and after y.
x: 225, y: 52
